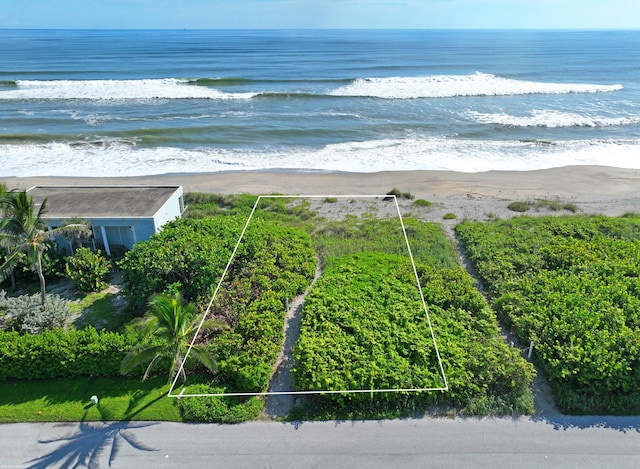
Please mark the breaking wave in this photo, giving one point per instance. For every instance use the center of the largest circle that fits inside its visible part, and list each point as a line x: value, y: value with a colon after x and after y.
x: 123, y: 157
x: 449, y: 86
x: 551, y: 119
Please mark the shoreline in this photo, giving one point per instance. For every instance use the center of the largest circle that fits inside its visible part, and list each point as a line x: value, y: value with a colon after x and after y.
x: 594, y: 189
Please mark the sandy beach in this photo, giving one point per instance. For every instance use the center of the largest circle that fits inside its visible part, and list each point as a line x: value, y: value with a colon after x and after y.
x: 593, y: 189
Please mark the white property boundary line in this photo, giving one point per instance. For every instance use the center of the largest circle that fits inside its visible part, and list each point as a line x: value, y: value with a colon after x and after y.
x: 281, y: 393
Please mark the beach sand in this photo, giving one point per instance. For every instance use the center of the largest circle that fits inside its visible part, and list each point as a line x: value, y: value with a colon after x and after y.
x: 477, y: 196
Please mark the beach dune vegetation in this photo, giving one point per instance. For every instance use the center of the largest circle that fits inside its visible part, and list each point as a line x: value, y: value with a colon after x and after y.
x: 569, y: 285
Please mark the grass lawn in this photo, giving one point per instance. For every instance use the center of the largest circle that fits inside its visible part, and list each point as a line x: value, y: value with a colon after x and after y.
x: 65, y: 400
x: 97, y: 309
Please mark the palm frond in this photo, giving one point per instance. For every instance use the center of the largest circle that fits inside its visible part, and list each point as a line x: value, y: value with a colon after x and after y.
x: 139, y: 356
x: 202, y: 355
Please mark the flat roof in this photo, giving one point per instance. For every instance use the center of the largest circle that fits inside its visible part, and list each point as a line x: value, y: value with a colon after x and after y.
x: 101, y: 201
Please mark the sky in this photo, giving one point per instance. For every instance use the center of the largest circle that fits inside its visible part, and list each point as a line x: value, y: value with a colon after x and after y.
x: 321, y: 14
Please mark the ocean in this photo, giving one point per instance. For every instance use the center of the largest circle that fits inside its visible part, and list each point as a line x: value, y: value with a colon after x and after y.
x: 129, y: 103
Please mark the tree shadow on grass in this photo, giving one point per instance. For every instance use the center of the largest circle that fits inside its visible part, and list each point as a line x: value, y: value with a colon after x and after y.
x: 86, y: 446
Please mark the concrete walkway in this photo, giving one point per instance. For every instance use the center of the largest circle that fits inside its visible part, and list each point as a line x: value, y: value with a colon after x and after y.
x: 584, y: 442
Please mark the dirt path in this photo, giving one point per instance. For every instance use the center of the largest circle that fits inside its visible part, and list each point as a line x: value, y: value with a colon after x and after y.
x: 277, y: 406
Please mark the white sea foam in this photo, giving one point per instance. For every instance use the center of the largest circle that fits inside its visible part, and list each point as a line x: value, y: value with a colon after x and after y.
x: 448, y: 86
x: 551, y: 119
x: 124, y: 158
x: 115, y: 90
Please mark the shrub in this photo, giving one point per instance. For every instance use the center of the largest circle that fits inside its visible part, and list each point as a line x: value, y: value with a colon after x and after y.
x: 187, y: 255
x: 449, y: 216
x: 53, y: 261
x: 331, y: 200
x: 400, y: 195
x: 518, y: 206
x: 217, y: 409
x: 89, y: 271
x: 422, y: 203
x: 556, y: 205
x: 27, y: 314
x: 60, y: 353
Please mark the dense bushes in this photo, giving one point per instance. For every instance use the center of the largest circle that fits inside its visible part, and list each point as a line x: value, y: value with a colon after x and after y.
x: 59, y: 353
x: 187, y: 255
x: 364, y: 327
x: 218, y: 409
x: 89, y: 271
x: 572, y: 286
x: 271, y: 265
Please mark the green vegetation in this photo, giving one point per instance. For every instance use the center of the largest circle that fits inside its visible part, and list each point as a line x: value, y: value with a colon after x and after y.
x: 364, y: 327
x: 26, y: 313
x: 331, y: 200
x: 449, y: 216
x: 422, y: 203
x: 97, y: 310
x: 368, y: 234
x: 218, y: 409
x: 400, y: 195
x: 553, y: 205
x: 61, y: 353
x: 519, y: 206
x: 364, y: 324
x: 570, y: 285
x: 556, y: 205
x: 173, y: 324
x: 89, y: 271
x: 24, y: 235
x: 187, y: 256
x: 272, y: 264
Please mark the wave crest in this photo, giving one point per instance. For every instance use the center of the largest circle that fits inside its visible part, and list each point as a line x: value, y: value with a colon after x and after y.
x: 551, y: 119
x: 449, y: 86
x: 115, y: 90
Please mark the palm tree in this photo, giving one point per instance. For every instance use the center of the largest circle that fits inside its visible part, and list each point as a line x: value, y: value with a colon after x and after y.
x: 22, y: 230
x: 174, y: 324
x: 4, y: 215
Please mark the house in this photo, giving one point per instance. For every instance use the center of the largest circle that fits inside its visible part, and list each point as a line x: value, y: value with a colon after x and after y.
x: 119, y: 216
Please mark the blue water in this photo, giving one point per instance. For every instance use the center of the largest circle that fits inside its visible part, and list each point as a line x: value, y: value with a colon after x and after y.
x: 113, y: 103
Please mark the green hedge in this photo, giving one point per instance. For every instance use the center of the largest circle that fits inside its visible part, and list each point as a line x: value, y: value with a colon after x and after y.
x: 218, y: 409
x: 62, y: 353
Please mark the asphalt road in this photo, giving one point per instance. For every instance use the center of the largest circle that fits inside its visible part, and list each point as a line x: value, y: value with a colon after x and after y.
x: 597, y: 442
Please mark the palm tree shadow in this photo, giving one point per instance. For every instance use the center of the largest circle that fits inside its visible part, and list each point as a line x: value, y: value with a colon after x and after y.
x: 91, y: 441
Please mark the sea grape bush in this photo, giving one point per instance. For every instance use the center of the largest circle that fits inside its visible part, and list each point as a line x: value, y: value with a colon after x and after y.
x: 572, y: 286
x: 89, y: 271
x: 188, y: 255
x: 364, y: 327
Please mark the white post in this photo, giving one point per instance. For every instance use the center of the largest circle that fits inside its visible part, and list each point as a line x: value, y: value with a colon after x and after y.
x: 105, y: 240
x: 530, y: 350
